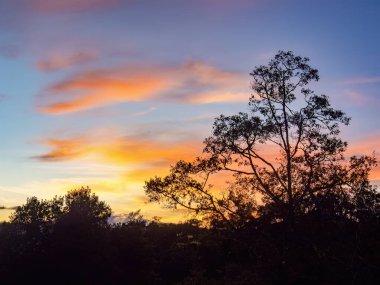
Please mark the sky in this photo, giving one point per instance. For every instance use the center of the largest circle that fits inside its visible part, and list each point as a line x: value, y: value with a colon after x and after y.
x: 110, y: 93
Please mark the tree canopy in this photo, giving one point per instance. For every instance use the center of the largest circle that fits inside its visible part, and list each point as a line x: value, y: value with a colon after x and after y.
x: 305, y: 171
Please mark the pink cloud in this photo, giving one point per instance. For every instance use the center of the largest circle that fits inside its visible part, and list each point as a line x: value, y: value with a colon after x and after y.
x: 356, y: 97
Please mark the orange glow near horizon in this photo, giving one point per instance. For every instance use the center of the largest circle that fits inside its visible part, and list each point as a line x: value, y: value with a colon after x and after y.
x: 137, y: 160
x: 120, y: 151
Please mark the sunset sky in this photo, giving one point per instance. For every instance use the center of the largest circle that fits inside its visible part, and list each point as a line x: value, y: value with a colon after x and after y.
x: 109, y: 93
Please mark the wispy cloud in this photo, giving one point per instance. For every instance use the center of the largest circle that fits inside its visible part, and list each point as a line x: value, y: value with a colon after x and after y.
x: 215, y: 96
x: 359, y: 98
x: 120, y: 150
x: 60, y: 61
x: 58, y: 6
x: 194, y: 82
x: 65, y: 149
x: 361, y: 80
x: 145, y: 112
x: 356, y: 97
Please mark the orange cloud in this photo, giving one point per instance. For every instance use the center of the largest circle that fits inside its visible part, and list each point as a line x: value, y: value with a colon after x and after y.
x: 64, y: 149
x: 194, y: 82
x: 61, y: 61
x: 216, y: 97
x: 136, y: 158
x: 120, y: 151
x: 99, y: 89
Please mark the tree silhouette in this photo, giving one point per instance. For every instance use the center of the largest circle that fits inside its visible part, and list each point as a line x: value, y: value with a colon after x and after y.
x: 306, y: 171
x: 77, y: 205
x: 37, y: 217
x: 81, y: 204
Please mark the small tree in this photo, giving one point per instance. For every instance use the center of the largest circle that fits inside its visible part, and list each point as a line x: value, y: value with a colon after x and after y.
x: 306, y: 171
x: 37, y: 216
x: 76, y: 205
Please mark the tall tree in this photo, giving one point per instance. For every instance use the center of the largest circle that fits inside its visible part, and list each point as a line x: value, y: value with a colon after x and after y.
x: 305, y: 172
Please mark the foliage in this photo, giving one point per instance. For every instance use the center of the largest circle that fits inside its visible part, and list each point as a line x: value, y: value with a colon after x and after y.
x: 316, y: 251
x: 306, y: 171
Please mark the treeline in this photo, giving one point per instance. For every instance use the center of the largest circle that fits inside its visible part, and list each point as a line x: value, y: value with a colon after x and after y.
x: 67, y: 240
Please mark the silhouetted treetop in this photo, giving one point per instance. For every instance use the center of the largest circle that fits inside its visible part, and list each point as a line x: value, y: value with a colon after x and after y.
x: 38, y: 211
x: 81, y: 203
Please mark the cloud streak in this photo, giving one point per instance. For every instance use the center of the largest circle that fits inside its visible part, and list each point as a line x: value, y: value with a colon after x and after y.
x: 361, y: 80
x: 119, y: 150
x: 62, y: 61
x: 359, y: 98
x: 194, y: 82
x: 138, y: 158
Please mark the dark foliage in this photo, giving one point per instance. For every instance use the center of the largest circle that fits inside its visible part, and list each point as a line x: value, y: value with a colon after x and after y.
x: 72, y: 249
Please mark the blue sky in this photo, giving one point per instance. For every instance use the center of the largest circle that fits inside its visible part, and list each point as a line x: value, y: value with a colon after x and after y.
x: 110, y: 93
